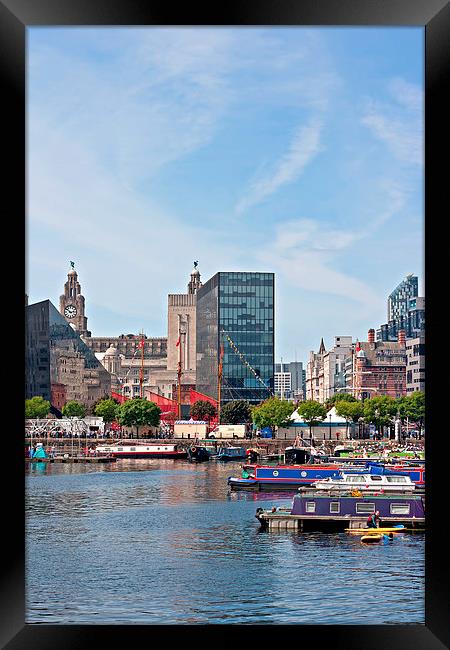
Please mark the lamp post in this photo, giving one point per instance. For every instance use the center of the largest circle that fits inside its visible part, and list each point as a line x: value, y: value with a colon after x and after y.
x: 329, y: 415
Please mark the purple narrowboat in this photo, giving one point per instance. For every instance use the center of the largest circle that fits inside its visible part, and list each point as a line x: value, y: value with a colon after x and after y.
x: 311, y: 511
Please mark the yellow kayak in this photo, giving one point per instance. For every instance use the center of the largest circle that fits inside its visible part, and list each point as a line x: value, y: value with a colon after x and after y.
x: 371, y: 539
x: 375, y: 531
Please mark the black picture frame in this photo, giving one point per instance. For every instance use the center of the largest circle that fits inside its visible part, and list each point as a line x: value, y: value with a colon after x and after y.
x: 434, y: 16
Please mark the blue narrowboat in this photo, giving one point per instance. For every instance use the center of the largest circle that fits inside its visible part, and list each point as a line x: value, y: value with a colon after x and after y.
x: 271, y: 477
x: 288, y: 477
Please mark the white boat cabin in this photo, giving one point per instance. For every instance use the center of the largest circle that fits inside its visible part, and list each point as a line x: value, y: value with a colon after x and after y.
x: 367, y: 482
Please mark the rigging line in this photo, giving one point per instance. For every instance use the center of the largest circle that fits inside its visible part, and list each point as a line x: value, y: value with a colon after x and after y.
x: 233, y: 391
x: 245, y: 362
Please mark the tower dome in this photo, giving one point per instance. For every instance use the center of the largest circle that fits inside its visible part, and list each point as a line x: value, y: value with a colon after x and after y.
x: 111, y: 351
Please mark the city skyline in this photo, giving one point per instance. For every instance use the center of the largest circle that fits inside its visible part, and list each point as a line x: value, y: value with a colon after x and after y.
x: 295, y: 151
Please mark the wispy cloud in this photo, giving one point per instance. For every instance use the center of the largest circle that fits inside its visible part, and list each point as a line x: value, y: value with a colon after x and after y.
x: 399, y: 123
x: 304, y: 147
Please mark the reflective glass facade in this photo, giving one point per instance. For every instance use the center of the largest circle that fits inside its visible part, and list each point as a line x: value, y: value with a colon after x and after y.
x: 56, y: 356
x: 240, y: 306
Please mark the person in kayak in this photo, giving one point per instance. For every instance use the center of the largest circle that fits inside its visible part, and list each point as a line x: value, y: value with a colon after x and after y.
x: 374, y: 520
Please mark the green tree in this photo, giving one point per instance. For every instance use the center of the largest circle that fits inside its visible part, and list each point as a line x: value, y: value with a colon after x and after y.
x: 138, y: 412
x: 73, y: 409
x: 236, y: 412
x: 350, y: 410
x: 203, y: 410
x: 312, y: 412
x: 413, y: 407
x: 273, y: 412
x: 107, y: 409
x: 339, y: 397
x: 380, y: 411
x: 36, y: 408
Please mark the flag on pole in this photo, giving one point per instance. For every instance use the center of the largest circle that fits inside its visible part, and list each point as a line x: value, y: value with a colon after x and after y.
x: 141, y: 343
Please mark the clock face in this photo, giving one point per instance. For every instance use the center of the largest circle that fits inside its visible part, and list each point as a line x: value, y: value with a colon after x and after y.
x: 70, y: 311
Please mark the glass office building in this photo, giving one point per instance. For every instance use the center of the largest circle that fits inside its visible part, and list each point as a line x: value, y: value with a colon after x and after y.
x: 398, y: 300
x: 57, y: 361
x: 237, y: 306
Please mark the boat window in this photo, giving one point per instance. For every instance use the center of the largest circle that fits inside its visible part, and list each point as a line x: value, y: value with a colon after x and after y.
x: 357, y: 479
x: 335, y: 506
x: 396, y: 479
x: 310, y: 506
x: 399, y: 508
x: 365, y: 508
x: 376, y: 478
x: 119, y: 448
x: 132, y: 448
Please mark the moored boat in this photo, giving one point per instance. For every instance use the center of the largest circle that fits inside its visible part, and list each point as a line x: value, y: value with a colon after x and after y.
x: 142, y: 451
x: 198, y: 453
x: 288, y: 477
x: 365, y: 481
x: 324, y: 511
x: 230, y: 453
x: 263, y: 477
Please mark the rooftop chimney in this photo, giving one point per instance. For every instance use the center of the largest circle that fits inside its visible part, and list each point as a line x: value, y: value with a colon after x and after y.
x: 371, y: 336
x: 402, y: 337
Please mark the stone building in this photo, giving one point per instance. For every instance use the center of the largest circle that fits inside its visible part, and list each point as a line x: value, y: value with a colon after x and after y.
x: 314, y: 382
x: 378, y: 367
x: 133, y: 359
x: 72, y: 304
x: 181, y: 326
x: 326, y: 374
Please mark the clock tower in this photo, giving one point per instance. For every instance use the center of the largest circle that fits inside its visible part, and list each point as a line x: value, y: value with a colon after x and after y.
x: 71, y: 303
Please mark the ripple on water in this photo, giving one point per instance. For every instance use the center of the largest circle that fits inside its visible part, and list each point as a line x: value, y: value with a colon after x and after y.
x: 165, y: 542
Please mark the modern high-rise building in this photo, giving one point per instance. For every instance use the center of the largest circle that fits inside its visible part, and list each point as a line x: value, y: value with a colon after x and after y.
x: 398, y: 300
x: 236, y: 310
x: 406, y: 311
x: 289, y: 380
x: 59, y: 365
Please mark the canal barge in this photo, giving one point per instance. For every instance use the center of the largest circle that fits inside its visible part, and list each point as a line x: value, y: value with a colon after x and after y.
x: 198, y: 453
x: 142, y: 451
x: 263, y: 477
x: 231, y: 453
x: 289, y: 477
x: 328, y: 512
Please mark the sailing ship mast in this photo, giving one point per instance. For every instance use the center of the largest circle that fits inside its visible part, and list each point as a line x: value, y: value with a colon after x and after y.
x: 219, y: 381
x: 179, y: 372
x: 141, y: 373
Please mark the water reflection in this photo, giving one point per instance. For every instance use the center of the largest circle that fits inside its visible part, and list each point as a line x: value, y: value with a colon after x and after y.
x: 178, y: 547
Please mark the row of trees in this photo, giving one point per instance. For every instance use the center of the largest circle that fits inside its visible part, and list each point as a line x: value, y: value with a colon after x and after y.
x: 134, y: 412
x: 37, y: 408
x: 381, y: 411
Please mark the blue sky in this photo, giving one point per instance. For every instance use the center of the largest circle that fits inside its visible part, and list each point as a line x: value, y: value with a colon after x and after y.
x: 292, y: 150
